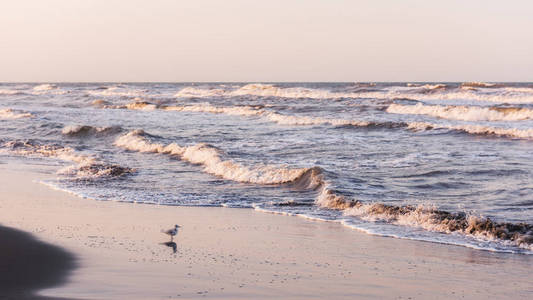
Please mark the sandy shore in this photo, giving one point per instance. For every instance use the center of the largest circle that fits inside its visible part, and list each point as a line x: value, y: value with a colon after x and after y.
x: 229, y: 253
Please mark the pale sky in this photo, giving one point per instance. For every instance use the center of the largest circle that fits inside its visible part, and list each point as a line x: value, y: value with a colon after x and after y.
x: 266, y: 40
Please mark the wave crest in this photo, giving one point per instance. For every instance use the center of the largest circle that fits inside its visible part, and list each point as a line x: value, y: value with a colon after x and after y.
x: 11, y: 114
x: 212, y: 160
x: 464, y: 113
x: 86, y: 130
x: 424, y: 92
x: 475, y: 129
x: 87, y: 167
x: 518, y: 234
x: 45, y: 87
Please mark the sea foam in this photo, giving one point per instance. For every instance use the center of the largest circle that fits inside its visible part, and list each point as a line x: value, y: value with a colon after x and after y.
x: 464, y: 113
x: 11, y: 114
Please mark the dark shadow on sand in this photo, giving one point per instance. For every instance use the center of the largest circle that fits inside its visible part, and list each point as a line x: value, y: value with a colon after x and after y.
x: 172, y: 245
x: 28, y: 265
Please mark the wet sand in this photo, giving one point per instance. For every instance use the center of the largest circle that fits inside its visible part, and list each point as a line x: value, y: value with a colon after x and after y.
x: 226, y: 253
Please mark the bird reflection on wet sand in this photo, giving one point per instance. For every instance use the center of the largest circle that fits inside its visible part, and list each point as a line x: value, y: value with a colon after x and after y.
x: 172, y: 245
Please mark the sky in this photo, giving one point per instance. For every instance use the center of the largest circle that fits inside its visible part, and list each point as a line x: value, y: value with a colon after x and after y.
x: 265, y: 40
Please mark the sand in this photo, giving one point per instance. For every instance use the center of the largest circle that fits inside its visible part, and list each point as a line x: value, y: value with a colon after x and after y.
x: 228, y: 253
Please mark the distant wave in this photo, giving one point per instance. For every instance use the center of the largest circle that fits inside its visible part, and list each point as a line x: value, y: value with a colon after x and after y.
x: 256, y: 89
x: 45, y: 87
x: 292, y: 120
x: 475, y: 129
x: 137, y: 105
x: 464, y: 113
x: 425, y: 92
x: 306, y: 120
x: 211, y: 158
x: 479, y: 85
x: 192, y: 92
x: 232, y: 110
x: 86, y: 130
x: 87, y: 167
x: 10, y: 92
x: 11, y: 114
x: 117, y: 92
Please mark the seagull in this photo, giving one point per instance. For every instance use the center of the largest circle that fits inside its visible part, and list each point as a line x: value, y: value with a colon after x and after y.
x: 172, y: 232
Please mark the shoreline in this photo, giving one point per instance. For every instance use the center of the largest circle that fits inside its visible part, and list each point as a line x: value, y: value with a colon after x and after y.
x: 231, y: 253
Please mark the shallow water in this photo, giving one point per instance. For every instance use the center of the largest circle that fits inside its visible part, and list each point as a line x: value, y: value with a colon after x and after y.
x: 448, y: 163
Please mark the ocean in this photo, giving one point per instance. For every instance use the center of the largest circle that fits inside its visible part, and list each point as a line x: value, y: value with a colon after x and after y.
x: 449, y: 163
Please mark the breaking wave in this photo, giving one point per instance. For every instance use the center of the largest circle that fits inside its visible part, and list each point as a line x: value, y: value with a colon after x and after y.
x: 233, y: 110
x: 520, y: 234
x: 425, y: 92
x: 475, y: 129
x: 45, y: 87
x: 86, y: 130
x: 87, y: 167
x: 479, y: 85
x: 292, y: 120
x: 516, y: 234
x: 11, y: 114
x: 212, y: 160
x: 464, y: 113
x: 10, y: 92
x: 95, y: 170
x: 428, y: 218
x: 117, y: 92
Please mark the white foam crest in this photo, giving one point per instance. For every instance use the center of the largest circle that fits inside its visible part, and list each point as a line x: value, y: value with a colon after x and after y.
x: 9, y: 92
x: 498, y: 95
x: 211, y: 159
x: 94, y: 170
x: 433, y: 86
x: 45, y: 87
x: 116, y: 92
x: 141, y: 106
x: 304, y: 120
x: 233, y: 110
x: 475, y: 129
x: 268, y: 90
x: 327, y: 198
x: 464, y: 113
x: 245, y: 111
x: 478, y: 84
x: 54, y: 151
x: 431, y: 219
x: 192, y: 92
x: 86, y: 167
x: 11, y: 114
x: 76, y: 130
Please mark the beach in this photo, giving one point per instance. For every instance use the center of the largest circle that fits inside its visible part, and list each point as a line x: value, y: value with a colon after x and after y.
x: 229, y: 253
